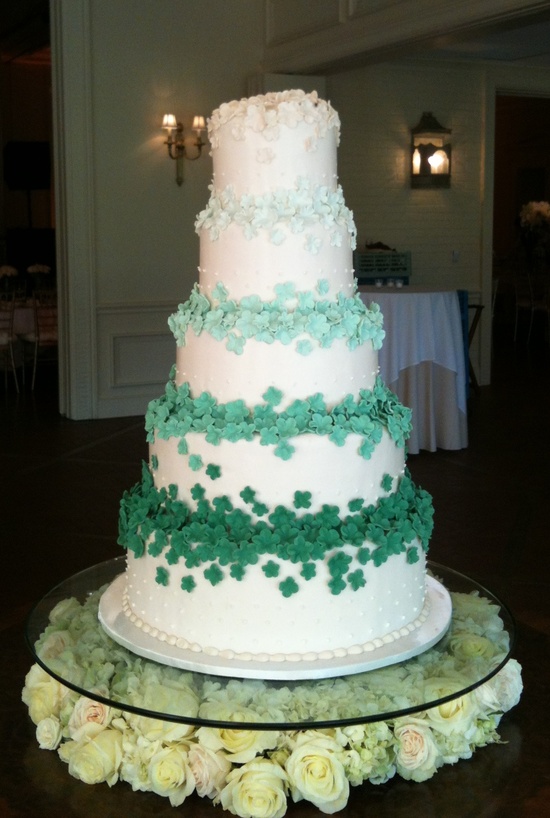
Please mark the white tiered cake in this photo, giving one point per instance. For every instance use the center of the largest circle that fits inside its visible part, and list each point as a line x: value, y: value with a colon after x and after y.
x: 276, y: 531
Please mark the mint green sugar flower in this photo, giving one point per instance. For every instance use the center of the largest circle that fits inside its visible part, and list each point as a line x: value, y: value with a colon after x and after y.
x: 284, y: 450
x: 248, y: 494
x: 219, y: 293
x: 302, y: 499
x: 271, y: 569
x: 247, y: 324
x: 188, y: 584
x: 198, y: 492
x: 269, y: 436
x: 288, y: 587
x: 235, y: 343
x: 253, y: 303
x: 162, y: 576
x: 285, y: 292
x: 214, y: 574
x: 304, y: 347
x: 195, y: 462
x: 272, y: 396
x: 213, y: 471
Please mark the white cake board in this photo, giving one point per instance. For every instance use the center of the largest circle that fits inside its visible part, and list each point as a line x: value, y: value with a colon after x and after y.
x: 122, y: 630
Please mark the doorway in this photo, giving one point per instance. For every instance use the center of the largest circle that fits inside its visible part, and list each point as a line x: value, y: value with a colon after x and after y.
x: 521, y: 175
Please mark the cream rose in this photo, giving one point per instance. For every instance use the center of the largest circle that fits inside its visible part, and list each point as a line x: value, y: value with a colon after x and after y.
x: 64, y: 610
x: 471, y: 646
x: 176, y: 700
x: 94, y: 759
x: 255, y: 790
x: 88, y: 718
x: 54, y: 644
x: 209, y: 770
x: 42, y: 694
x: 240, y: 745
x: 316, y: 774
x: 170, y: 774
x: 503, y: 691
x: 48, y: 733
x: 416, y: 756
x: 455, y: 716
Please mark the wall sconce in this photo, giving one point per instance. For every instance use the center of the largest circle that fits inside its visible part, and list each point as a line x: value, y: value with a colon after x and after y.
x: 430, y: 153
x: 176, y: 142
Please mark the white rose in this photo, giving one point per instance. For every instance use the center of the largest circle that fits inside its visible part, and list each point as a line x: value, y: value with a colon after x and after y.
x: 255, y: 790
x: 54, y: 644
x: 316, y: 774
x: 417, y: 756
x: 137, y: 752
x: 48, y: 733
x: 241, y: 745
x: 64, y: 610
x: 209, y: 770
x: 42, y: 694
x: 471, y: 646
x: 455, y: 716
x: 162, y: 698
x: 94, y: 759
x: 503, y: 691
x: 170, y: 774
x: 88, y: 718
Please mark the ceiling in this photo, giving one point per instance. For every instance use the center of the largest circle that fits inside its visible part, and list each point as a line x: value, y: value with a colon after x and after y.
x: 524, y: 41
x: 24, y: 30
x: 24, y: 36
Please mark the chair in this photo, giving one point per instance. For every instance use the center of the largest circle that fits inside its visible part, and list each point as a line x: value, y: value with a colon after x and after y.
x: 532, y: 291
x: 43, y: 338
x: 477, y: 309
x: 7, y: 338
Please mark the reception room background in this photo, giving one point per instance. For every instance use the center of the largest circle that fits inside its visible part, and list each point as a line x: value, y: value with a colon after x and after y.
x: 126, y: 248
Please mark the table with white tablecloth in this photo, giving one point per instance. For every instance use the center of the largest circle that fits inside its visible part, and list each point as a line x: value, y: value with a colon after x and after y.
x: 422, y: 360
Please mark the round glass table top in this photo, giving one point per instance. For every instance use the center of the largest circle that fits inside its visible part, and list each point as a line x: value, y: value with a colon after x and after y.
x: 67, y: 640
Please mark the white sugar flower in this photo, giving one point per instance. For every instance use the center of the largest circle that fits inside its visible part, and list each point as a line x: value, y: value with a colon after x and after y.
x: 49, y: 733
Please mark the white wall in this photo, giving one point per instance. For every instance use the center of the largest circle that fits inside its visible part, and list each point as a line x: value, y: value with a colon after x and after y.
x: 378, y: 105
x: 129, y: 251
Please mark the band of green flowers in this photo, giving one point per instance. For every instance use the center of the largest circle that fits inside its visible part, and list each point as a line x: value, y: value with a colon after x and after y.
x: 176, y: 413
x: 289, y: 316
x: 226, y: 540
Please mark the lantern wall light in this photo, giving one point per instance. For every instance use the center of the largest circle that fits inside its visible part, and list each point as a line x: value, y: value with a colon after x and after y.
x: 430, y: 153
x: 180, y: 146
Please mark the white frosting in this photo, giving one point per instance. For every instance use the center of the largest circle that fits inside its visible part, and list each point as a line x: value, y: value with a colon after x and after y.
x: 259, y: 147
x: 254, y: 267
x: 256, y: 165
x: 208, y: 366
x: 334, y: 475
x: 252, y: 617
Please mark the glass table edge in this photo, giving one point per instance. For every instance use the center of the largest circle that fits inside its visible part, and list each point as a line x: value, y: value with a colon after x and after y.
x: 273, y: 726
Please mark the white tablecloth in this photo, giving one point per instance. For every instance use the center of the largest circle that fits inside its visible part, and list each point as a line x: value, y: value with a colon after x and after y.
x: 422, y: 360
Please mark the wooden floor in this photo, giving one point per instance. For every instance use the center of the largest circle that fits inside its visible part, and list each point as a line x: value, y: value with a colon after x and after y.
x: 60, y: 484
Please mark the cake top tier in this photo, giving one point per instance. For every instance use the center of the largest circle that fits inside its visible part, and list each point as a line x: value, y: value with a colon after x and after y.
x: 268, y: 143
x: 266, y: 113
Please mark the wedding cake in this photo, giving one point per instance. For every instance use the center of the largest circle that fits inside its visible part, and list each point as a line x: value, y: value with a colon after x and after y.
x: 276, y: 525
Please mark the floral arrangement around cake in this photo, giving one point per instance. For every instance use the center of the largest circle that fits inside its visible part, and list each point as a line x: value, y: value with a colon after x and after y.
x: 254, y: 772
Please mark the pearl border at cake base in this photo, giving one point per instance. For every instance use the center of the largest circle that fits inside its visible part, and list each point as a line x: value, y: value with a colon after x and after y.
x: 261, y: 772
x: 428, y: 633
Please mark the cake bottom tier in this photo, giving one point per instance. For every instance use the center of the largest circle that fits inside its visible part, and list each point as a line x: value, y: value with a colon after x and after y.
x: 252, y: 620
